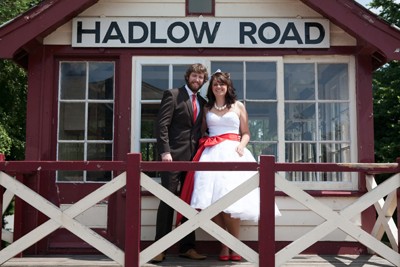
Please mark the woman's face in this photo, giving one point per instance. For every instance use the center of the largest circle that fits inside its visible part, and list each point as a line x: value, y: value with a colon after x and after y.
x: 219, y: 88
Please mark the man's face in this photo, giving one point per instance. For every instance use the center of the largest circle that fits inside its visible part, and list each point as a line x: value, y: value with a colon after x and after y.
x: 195, y: 81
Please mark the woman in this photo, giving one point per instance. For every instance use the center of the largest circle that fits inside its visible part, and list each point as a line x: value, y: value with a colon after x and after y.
x: 226, y: 120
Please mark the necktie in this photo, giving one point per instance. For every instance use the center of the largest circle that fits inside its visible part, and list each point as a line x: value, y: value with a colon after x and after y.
x: 194, y: 105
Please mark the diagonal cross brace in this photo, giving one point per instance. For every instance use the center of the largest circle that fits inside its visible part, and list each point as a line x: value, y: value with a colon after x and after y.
x: 198, y: 219
x: 385, y: 209
x: 60, y: 218
x: 336, y: 220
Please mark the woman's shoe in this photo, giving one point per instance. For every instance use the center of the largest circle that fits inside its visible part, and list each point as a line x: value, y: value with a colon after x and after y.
x: 236, y: 258
x: 223, y: 257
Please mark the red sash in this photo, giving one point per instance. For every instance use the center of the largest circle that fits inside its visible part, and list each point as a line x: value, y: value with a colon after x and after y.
x: 207, y: 141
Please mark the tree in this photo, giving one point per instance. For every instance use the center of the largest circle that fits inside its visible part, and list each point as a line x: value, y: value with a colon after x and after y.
x: 386, y: 91
x: 12, y: 91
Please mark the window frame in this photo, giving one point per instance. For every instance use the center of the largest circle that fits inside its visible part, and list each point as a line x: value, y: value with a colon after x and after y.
x: 194, y: 14
x: 86, y: 101
x: 137, y: 62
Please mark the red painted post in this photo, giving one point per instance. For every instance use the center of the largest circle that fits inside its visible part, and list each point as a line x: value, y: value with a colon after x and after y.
x: 2, y: 158
x: 132, y: 212
x: 266, y: 226
x: 398, y: 207
x: 398, y: 218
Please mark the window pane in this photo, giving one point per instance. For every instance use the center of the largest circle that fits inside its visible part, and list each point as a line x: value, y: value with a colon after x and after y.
x: 262, y: 121
x: 154, y: 82
x: 301, y: 176
x: 299, y: 82
x: 334, y: 121
x: 333, y: 81
x: 236, y: 71
x: 70, y: 176
x: 101, y: 80
x: 335, y: 153
x: 71, y: 151
x: 149, y: 151
x: 101, y: 152
x: 301, y: 152
x: 178, y: 73
x: 73, y: 80
x: 300, y: 121
x: 72, y: 121
x: 261, y: 80
x: 100, y: 121
x: 258, y: 149
x: 149, y: 120
x: 200, y: 6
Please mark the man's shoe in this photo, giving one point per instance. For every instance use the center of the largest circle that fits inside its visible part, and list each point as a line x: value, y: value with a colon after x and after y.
x: 159, y: 258
x: 193, y: 255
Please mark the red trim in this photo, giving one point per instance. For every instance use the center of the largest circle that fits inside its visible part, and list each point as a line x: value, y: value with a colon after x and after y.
x: 38, y: 22
x: 367, y: 27
x: 65, y: 51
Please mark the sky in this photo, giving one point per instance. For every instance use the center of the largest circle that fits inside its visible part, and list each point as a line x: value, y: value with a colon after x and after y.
x: 363, y: 2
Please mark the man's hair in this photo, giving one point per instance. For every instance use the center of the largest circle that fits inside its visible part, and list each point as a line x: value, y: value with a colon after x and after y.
x: 197, y: 68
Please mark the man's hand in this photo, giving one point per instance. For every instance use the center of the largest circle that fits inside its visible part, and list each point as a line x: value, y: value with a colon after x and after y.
x: 166, y: 157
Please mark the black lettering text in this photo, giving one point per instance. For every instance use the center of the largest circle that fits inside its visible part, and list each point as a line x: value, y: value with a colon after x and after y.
x: 80, y: 31
x: 117, y: 36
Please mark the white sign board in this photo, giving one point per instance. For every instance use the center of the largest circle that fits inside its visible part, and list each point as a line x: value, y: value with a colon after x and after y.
x: 200, y: 32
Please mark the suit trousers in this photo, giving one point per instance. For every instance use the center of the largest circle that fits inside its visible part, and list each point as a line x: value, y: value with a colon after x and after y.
x: 165, y: 214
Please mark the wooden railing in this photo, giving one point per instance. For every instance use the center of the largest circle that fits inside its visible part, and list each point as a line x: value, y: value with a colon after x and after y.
x: 384, y: 197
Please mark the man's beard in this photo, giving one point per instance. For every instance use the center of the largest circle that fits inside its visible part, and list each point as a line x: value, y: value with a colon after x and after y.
x: 196, y: 89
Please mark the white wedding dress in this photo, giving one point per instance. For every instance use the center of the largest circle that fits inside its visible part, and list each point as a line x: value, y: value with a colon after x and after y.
x: 209, y: 186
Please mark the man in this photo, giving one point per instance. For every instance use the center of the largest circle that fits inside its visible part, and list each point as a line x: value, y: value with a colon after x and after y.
x: 178, y: 132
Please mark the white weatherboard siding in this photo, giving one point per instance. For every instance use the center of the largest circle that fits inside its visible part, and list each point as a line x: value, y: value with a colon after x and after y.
x: 295, y: 221
x: 223, y: 9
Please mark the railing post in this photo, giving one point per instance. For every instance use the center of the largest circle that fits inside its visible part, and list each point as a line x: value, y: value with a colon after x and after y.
x: 398, y: 208
x: 2, y: 158
x: 266, y: 226
x: 132, y: 211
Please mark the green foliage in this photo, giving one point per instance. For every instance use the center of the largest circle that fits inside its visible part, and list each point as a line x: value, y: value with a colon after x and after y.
x: 386, y: 86
x: 5, y: 141
x: 13, y: 90
x: 12, y: 8
x: 389, y: 10
x: 12, y: 109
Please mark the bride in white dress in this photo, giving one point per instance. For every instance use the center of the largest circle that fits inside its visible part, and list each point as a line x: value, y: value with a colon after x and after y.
x: 228, y: 134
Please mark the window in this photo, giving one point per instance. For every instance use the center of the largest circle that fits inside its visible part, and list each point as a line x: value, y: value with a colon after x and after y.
x: 200, y: 7
x: 317, y: 116
x: 300, y: 109
x: 86, y: 117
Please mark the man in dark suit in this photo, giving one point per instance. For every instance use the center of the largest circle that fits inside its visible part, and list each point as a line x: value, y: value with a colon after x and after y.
x: 178, y: 132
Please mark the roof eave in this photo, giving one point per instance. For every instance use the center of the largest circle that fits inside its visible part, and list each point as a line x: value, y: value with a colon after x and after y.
x: 376, y: 37
x: 36, y: 23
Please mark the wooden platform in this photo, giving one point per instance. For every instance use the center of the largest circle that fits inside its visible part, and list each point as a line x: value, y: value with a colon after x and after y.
x: 175, y: 261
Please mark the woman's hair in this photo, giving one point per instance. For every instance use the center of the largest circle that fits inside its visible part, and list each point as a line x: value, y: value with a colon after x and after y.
x: 197, y: 68
x: 224, y: 78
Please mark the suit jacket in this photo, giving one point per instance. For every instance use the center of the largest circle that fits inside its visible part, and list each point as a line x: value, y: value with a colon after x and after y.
x: 176, y: 131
